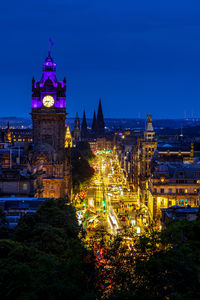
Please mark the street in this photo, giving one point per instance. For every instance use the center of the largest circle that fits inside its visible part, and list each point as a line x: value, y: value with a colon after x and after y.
x: 109, y: 204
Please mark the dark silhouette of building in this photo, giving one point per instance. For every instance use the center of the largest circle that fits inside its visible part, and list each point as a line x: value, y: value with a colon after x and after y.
x: 94, y: 123
x: 77, y: 129
x: 100, y: 125
x: 84, y: 130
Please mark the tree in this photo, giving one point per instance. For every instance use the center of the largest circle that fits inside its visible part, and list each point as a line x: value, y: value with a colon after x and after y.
x: 166, y: 265
x: 82, y: 172
x: 46, y: 259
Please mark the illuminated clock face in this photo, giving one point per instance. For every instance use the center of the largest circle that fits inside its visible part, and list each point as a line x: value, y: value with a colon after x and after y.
x: 48, y: 101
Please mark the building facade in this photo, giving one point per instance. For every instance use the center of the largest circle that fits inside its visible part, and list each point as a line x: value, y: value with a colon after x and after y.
x: 48, y: 118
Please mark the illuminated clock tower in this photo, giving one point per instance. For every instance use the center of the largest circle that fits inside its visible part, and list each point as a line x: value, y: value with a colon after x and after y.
x: 49, y: 109
x: 48, y: 118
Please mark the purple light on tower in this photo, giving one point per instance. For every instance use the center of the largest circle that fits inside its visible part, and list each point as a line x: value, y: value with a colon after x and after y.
x: 49, y: 85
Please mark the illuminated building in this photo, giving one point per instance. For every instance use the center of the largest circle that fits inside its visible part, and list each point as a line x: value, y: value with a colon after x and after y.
x: 175, y: 151
x: 142, y: 154
x: 102, y: 143
x: 48, y: 117
x: 15, y: 182
x: 8, y: 137
x: 147, y: 148
x: 173, y: 184
x: 68, y: 138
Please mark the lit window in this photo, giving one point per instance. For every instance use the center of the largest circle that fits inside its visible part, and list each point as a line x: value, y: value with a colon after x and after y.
x: 25, y: 186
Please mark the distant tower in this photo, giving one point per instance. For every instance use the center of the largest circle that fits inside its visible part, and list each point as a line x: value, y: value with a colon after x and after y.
x: 77, y: 129
x: 94, y: 123
x: 84, y: 131
x: 149, y: 145
x: 149, y: 133
x: 68, y: 138
x: 100, y: 121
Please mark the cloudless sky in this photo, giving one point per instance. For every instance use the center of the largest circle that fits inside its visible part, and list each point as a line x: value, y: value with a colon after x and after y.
x: 139, y: 56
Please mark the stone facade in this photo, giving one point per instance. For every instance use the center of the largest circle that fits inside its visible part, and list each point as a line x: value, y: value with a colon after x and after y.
x: 48, y: 117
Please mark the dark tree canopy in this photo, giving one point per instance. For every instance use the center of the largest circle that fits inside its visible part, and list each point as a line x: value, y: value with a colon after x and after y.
x: 45, y: 259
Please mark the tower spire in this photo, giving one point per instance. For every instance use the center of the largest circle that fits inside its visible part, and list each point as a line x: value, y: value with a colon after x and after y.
x: 149, y: 133
x: 77, y: 131
x: 50, y: 44
x: 100, y: 120
x: 94, y: 122
x: 84, y: 131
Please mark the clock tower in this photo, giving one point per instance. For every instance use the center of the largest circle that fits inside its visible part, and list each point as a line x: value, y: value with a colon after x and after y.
x: 49, y: 109
x: 48, y: 119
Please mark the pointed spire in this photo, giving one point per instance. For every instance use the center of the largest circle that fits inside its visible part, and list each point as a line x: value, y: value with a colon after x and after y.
x: 77, y: 122
x: 49, y: 64
x: 68, y: 138
x: 100, y: 120
x: 94, y: 122
x: 84, y: 131
x: 77, y: 130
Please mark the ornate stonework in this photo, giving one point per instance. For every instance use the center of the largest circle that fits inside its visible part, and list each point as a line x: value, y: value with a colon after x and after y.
x: 48, y: 117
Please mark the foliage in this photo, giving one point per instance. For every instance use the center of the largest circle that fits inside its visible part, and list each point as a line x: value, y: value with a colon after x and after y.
x: 165, y: 265
x: 81, y: 157
x: 45, y: 259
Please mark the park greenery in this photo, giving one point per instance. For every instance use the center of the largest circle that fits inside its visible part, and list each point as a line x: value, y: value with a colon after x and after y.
x: 44, y: 257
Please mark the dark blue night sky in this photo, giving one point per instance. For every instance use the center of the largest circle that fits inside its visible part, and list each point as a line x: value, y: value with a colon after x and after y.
x: 139, y: 56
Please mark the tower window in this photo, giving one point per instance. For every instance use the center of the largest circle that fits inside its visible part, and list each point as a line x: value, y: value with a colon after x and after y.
x: 25, y: 186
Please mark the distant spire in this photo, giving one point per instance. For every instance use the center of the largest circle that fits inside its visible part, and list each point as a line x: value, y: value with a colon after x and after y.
x: 100, y: 120
x: 49, y: 65
x: 50, y: 44
x: 77, y: 122
x: 77, y: 131
x: 94, y: 122
x: 84, y: 131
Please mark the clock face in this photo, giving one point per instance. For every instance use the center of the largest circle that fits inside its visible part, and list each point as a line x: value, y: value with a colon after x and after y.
x: 48, y: 101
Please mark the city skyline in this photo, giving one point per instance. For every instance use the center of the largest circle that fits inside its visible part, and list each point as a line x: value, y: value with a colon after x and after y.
x: 137, y: 58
